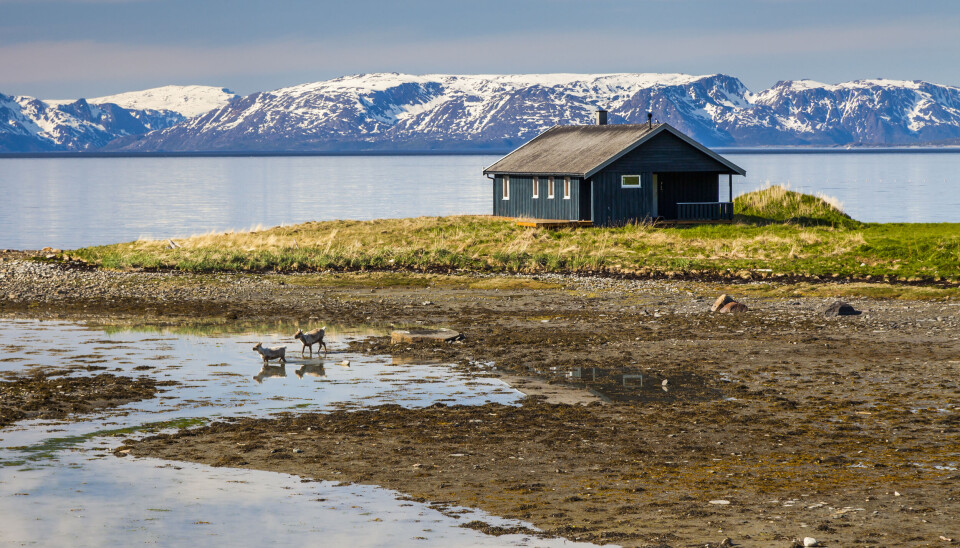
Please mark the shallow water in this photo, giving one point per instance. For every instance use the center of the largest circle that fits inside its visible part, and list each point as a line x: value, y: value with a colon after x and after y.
x: 61, y: 484
x: 107, y: 501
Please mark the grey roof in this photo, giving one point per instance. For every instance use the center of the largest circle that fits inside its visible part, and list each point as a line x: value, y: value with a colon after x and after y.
x: 584, y: 150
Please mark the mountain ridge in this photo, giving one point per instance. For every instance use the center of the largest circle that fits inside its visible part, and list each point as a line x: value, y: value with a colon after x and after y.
x: 392, y: 112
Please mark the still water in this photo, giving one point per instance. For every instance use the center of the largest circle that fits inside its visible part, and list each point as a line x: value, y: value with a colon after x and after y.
x: 60, y: 484
x: 75, y: 202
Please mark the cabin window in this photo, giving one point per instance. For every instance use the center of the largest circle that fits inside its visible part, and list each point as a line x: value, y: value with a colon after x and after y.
x: 566, y: 188
x: 506, y: 187
x: 630, y: 181
x: 536, y: 188
x: 550, y: 188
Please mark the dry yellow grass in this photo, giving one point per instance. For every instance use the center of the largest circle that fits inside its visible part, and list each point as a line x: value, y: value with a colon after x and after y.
x: 813, y: 238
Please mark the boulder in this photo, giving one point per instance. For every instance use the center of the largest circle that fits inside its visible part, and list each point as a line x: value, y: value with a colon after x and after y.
x: 721, y: 301
x: 840, y: 308
x: 425, y: 335
x: 733, y: 308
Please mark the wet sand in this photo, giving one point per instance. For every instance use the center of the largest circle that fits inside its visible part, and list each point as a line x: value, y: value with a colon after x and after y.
x: 775, y: 424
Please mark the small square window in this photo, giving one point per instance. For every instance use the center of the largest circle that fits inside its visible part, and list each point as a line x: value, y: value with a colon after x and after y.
x: 506, y: 187
x: 630, y: 181
x: 536, y: 188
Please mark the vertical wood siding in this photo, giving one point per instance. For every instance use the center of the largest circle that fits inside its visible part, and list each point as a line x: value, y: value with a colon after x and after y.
x: 523, y: 204
x: 672, y: 160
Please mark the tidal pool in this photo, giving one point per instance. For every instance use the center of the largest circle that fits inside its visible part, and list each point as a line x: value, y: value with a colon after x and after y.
x: 61, y: 484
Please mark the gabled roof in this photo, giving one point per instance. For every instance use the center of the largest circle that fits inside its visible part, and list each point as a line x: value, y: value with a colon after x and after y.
x: 581, y: 151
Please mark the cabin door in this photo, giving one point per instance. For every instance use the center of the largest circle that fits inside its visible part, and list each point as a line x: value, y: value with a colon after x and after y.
x: 667, y: 195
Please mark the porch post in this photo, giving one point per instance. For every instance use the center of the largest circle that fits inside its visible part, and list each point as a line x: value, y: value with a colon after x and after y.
x: 730, y: 184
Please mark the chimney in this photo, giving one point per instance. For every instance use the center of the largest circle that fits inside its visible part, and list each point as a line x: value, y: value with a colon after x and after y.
x: 601, y: 117
x: 650, y: 119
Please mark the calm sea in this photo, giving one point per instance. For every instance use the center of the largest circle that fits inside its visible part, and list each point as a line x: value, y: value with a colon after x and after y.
x: 75, y: 202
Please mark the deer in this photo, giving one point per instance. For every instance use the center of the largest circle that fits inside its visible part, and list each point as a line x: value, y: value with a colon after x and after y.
x: 311, y: 338
x: 277, y: 352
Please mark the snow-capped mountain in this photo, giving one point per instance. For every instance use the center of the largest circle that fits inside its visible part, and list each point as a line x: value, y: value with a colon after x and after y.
x: 875, y: 112
x: 397, y: 112
x: 32, y: 125
x: 441, y: 112
x: 450, y: 112
x: 188, y: 101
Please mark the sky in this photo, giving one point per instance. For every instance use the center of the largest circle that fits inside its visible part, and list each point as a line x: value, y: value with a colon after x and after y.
x: 65, y: 49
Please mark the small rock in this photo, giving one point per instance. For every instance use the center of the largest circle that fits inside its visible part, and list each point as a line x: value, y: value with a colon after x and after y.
x: 840, y: 308
x: 897, y: 494
x: 733, y: 308
x: 298, y: 450
x: 725, y: 543
x: 720, y: 502
x: 344, y: 363
x: 810, y: 541
x: 721, y: 301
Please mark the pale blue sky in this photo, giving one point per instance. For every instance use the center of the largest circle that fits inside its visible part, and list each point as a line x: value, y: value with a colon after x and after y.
x: 85, y: 48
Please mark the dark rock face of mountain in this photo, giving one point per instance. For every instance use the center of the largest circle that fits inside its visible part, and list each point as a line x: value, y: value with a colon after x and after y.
x: 32, y: 125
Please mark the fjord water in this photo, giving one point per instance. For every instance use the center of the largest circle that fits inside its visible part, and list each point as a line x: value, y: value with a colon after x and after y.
x: 75, y: 202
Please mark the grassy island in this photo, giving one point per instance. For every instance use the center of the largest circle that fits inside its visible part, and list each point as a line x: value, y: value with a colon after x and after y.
x: 776, y: 233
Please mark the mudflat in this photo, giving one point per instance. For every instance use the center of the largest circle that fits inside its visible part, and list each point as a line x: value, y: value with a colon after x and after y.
x: 762, y: 427
x: 54, y: 395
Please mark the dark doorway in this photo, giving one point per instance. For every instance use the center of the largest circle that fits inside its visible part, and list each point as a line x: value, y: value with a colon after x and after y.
x: 586, y: 200
x: 684, y: 187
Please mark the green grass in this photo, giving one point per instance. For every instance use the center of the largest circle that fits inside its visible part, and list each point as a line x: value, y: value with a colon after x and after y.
x: 775, y: 230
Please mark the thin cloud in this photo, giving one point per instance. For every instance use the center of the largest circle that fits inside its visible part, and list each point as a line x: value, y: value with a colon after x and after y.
x: 120, y: 65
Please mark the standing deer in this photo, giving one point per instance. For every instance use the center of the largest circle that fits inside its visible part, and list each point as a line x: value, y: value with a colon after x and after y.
x: 311, y: 338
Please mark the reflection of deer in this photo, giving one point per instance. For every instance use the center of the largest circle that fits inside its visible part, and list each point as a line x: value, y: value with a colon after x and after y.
x: 311, y: 338
x: 270, y: 372
x: 314, y: 370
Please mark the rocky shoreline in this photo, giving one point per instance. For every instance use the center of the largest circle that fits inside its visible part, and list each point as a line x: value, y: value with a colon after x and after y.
x: 763, y: 426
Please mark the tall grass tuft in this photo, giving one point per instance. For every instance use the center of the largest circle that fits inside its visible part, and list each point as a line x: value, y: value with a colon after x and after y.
x: 779, y: 204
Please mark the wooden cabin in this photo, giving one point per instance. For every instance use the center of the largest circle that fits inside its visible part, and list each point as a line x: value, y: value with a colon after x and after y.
x: 608, y: 175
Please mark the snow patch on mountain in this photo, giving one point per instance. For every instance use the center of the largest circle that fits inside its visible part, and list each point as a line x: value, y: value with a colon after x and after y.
x: 189, y: 101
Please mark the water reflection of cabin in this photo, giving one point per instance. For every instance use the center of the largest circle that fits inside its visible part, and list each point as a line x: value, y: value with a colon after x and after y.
x: 612, y: 175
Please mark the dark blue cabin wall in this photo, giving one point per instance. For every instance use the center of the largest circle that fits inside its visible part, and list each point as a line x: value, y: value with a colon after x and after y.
x: 663, y: 154
x: 614, y: 205
x: 666, y: 152
x: 523, y: 204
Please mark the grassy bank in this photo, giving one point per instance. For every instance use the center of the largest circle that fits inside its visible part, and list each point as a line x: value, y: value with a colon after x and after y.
x: 776, y: 232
